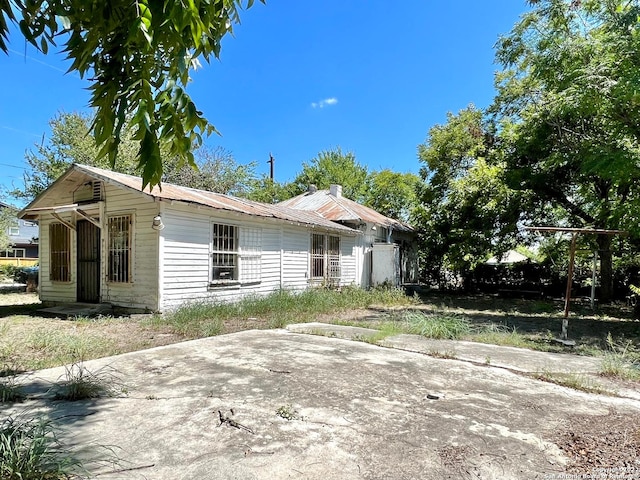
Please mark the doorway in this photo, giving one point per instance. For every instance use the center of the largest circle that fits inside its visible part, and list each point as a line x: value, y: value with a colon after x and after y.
x: 88, y: 262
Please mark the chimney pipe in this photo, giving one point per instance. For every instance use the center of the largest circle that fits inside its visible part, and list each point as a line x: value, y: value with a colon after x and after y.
x: 312, y: 188
x: 335, y: 190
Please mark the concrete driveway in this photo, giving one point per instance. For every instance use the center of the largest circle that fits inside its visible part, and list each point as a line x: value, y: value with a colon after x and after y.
x: 282, y: 405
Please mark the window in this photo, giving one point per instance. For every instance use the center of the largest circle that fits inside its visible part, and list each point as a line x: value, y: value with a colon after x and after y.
x: 224, y: 253
x: 119, y: 249
x: 14, y: 231
x: 250, y: 255
x: 59, y: 253
x: 325, y: 257
x: 13, y: 253
x: 236, y: 254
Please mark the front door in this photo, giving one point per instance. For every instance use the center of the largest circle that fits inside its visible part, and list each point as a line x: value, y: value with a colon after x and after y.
x: 88, y: 241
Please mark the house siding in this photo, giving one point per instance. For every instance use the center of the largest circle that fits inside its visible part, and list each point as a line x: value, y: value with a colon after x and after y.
x: 185, y: 256
x: 142, y: 290
x: 295, y: 258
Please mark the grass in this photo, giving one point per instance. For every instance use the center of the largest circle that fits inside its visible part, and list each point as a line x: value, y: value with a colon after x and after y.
x: 621, y: 360
x: 282, y: 307
x: 444, y: 326
x: 79, y: 383
x: 11, y: 390
x: 30, y: 450
x: 572, y: 380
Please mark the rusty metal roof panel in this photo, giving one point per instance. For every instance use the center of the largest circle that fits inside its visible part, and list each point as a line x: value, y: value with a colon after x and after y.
x: 216, y: 200
x: 341, y: 209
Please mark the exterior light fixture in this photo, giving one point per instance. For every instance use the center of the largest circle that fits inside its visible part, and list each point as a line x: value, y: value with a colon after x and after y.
x: 157, y: 223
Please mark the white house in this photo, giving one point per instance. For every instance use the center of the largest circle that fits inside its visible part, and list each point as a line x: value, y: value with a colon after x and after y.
x: 103, y: 239
x: 387, y: 250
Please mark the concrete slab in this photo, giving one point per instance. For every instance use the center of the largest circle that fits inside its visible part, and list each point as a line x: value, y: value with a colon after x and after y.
x: 67, y: 310
x: 308, y: 406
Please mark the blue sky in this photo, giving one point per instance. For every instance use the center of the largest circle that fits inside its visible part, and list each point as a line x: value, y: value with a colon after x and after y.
x: 300, y: 77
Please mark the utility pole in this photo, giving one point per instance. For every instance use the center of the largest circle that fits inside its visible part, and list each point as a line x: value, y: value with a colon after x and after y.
x: 271, y: 162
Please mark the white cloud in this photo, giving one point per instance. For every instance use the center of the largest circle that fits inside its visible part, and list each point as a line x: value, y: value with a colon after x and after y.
x: 325, y: 102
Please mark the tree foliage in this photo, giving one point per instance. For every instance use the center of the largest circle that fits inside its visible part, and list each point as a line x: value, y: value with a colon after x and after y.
x: 467, y: 211
x: 570, y: 87
x: 138, y: 56
x: 7, y: 219
x: 70, y: 142
x: 392, y: 193
x: 334, y: 167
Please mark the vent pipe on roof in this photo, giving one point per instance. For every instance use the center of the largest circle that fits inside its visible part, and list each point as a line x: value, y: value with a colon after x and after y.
x: 312, y: 188
x: 336, y: 190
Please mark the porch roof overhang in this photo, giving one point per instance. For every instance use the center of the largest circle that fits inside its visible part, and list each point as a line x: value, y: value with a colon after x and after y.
x: 56, y: 210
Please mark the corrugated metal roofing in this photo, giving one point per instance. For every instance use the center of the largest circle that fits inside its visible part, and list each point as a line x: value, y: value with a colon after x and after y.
x: 219, y: 201
x: 341, y: 209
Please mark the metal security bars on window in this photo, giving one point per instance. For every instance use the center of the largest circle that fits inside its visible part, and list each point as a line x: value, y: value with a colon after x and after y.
x: 325, y: 257
x: 120, y: 249
x: 224, y: 253
x: 250, y: 255
x: 59, y: 253
x: 333, y: 254
x: 317, y: 256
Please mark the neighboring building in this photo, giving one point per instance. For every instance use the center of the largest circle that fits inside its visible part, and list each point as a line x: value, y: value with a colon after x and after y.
x: 23, y: 249
x: 387, y: 250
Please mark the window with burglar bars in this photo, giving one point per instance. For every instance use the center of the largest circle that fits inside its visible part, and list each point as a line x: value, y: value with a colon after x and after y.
x: 325, y: 257
x: 59, y: 253
x: 250, y: 255
x: 224, y: 253
x: 119, y: 249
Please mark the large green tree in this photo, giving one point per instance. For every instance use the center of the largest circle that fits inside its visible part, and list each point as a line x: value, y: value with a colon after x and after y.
x: 392, y: 193
x: 467, y: 211
x: 569, y: 89
x: 138, y: 56
x: 334, y: 167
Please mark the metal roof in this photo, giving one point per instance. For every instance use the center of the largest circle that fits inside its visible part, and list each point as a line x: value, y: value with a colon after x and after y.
x: 171, y: 192
x: 341, y: 209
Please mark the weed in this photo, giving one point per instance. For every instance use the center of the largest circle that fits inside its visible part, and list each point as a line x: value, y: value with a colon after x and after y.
x: 447, y: 354
x: 502, y: 335
x: 288, y: 413
x: 278, y: 309
x: 571, y: 380
x: 487, y: 359
x: 387, y: 329
x: 80, y: 383
x: 30, y: 450
x: 439, y: 326
x: 11, y: 390
x: 619, y: 360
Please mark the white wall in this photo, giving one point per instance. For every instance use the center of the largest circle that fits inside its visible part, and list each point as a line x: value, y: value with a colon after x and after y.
x: 142, y: 291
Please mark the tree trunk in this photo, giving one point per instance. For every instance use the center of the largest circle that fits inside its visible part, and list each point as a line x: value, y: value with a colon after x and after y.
x: 606, y: 268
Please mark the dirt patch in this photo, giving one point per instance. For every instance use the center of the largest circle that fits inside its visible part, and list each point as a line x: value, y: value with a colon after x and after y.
x: 606, y: 446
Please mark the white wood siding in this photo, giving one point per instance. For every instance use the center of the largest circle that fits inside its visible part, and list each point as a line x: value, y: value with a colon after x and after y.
x: 185, y: 256
x: 295, y: 258
x: 142, y: 290
x: 348, y: 270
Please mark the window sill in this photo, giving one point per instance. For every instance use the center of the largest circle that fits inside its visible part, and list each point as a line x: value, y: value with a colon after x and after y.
x: 232, y: 285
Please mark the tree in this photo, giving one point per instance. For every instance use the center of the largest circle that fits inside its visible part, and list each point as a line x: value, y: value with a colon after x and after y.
x: 334, y: 167
x: 570, y: 88
x: 7, y: 219
x: 70, y: 142
x: 467, y: 211
x: 138, y: 56
x: 266, y: 190
x: 217, y: 171
x: 393, y: 194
